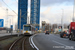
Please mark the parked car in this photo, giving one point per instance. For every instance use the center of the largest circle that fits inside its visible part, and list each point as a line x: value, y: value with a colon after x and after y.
x: 47, y: 32
x: 64, y: 34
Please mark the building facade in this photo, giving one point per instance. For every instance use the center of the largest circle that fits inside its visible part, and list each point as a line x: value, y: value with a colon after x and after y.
x: 35, y: 13
x: 23, y: 6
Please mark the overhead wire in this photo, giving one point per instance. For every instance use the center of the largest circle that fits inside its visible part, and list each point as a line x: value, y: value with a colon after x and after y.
x: 9, y: 7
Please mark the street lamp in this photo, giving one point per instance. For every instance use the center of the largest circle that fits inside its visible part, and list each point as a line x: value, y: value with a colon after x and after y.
x: 73, y: 9
x: 62, y: 19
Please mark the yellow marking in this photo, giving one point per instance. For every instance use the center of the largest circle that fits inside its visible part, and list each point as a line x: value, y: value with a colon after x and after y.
x: 26, y: 31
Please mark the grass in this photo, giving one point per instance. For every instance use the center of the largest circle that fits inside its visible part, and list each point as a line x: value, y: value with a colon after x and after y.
x: 5, y: 42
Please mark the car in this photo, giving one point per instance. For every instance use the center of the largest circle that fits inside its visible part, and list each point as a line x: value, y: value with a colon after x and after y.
x: 71, y: 28
x: 63, y: 34
x: 47, y: 32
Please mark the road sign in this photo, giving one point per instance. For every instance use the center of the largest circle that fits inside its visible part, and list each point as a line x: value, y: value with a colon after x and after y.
x: 11, y: 26
x: 59, y: 30
x: 1, y: 22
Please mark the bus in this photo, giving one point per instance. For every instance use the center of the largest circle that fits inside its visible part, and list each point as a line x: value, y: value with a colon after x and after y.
x: 28, y: 29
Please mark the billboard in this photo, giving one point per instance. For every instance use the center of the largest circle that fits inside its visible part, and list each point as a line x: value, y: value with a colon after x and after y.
x: 1, y: 22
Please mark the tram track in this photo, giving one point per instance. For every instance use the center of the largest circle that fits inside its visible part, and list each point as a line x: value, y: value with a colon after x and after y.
x: 19, y: 44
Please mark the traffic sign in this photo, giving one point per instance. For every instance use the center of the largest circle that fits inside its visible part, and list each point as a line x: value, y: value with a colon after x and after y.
x: 11, y: 26
x: 59, y: 30
x: 1, y: 22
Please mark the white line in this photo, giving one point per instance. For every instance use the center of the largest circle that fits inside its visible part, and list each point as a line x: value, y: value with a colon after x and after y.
x: 30, y: 42
x: 59, y: 43
x: 33, y: 42
x: 60, y: 38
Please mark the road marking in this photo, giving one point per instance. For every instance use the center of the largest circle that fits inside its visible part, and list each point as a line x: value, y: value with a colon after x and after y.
x: 60, y: 38
x: 32, y: 43
x: 66, y: 46
x: 59, y: 43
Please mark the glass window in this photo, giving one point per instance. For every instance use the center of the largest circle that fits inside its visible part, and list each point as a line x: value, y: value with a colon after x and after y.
x: 27, y: 28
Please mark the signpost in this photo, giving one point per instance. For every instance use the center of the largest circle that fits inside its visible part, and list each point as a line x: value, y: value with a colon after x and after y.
x: 60, y: 28
x: 1, y: 22
x: 11, y: 26
x: 11, y: 29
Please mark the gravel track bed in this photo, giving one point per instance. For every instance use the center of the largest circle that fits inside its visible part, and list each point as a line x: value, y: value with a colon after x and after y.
x: 5, y: 44
x: 6, y: 37
x: 18, y: 45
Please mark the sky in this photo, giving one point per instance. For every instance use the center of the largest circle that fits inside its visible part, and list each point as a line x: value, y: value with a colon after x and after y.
x: 50, y: 11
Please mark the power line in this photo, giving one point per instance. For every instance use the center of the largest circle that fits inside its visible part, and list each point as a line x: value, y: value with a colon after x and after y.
x: 9, y: 7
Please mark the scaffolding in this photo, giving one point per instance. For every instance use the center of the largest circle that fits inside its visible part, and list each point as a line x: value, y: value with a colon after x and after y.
x: 35, y: 13
x: 23, y: 6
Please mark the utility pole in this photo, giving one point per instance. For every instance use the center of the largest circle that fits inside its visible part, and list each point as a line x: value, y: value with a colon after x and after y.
x: 7, y: 17
x: 70, y: 19
x: 28, y: 19
x: 7, y: 20
x: 12, y: 23
x: 62, y: 19
x: 73, y: 10
x: 19, y: 24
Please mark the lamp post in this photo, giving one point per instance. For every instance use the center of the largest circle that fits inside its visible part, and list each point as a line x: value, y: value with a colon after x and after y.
x: 7, y: 17
x: 62, y: 19
x: 73, y: 9
x: 19, y: 24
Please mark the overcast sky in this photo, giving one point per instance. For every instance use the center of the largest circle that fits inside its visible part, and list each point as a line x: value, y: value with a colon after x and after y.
x: 50, y: 10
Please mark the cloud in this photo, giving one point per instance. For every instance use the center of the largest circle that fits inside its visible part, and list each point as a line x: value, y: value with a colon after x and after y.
x: 0, y: 4
x: 7, y: 1
x: 52, y: 2
x: 55, y: 13
x: 50, y: 14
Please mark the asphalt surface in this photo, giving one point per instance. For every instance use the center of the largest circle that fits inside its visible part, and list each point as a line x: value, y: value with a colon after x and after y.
x: 53, y: 42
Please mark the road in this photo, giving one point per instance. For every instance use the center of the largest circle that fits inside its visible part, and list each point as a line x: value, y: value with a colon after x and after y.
x: 53, y: 42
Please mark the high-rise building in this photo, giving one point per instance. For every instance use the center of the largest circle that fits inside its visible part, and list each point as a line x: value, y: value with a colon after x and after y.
x: 23, y: 6
x: 35, y: 13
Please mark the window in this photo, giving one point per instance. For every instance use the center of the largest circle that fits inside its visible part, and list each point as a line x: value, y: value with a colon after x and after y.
x: 27, y: 28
